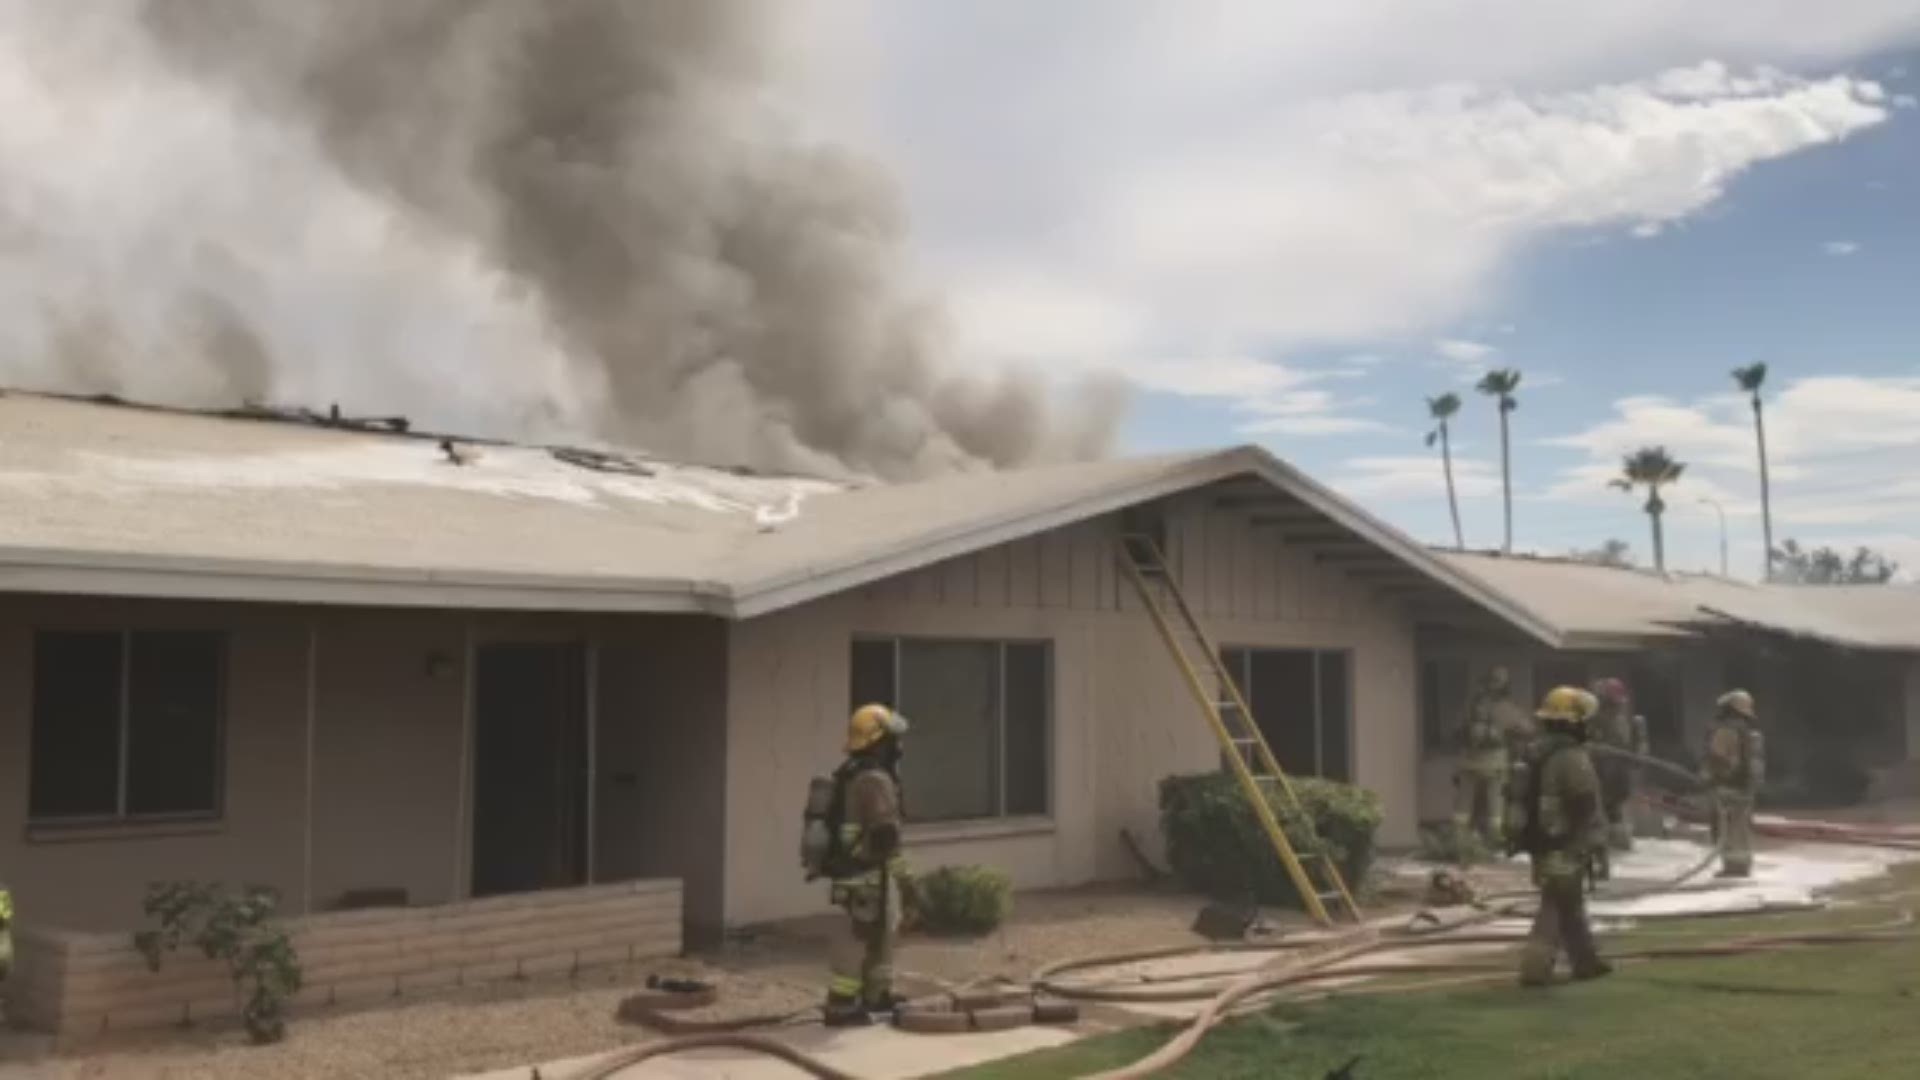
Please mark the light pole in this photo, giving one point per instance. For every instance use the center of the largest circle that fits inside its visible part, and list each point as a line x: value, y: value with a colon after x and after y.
x: 1722, y: 511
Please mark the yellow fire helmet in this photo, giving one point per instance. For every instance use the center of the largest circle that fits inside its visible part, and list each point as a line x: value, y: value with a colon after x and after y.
x: 1738, y: 702
x: 1568, y: 705
x: 872, y: 723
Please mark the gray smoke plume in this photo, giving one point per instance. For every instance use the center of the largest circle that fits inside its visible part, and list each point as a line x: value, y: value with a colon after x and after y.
x: 577, y: 217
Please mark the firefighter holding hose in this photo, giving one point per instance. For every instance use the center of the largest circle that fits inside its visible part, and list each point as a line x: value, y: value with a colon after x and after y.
x: 1734, y: 766
x: 1617, y: 726
x: 1558, y: 820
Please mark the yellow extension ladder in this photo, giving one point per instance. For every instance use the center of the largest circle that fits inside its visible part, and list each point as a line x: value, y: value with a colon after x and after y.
x: 1245, y: 748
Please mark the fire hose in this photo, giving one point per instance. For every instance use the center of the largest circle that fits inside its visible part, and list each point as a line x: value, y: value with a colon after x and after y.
x: 1327, y: 958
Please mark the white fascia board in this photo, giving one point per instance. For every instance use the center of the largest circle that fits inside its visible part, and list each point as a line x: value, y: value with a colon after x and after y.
x: 180, y: 578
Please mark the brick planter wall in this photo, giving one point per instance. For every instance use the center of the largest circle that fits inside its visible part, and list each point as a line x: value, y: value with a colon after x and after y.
x: 70, y: 982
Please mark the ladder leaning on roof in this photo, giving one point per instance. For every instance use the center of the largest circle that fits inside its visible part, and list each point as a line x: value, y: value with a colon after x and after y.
x: 1313, y: 872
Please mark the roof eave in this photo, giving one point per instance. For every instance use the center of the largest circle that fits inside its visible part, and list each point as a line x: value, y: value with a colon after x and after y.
x: 34, y: 570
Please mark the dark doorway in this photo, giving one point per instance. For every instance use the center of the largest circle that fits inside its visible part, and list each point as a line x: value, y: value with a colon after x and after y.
x: 1654, y: 681
x: 529, y: 767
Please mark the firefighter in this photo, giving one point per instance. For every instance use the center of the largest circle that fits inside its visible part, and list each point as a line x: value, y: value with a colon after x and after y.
x: 1564, y: 832
x: 869, y: 875
x: 1734, y: 766
x: 1617, y: 727
x: 6, y: 931
x: 1479, y: 784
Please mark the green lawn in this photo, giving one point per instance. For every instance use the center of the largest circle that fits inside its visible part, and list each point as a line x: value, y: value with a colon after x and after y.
x: 1831, y: 1013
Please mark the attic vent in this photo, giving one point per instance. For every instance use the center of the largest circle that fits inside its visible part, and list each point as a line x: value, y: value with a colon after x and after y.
x: 600, y: 462
x: 1149, y: 521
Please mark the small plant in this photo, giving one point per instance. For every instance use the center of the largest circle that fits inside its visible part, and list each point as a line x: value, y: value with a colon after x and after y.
x: 1451, y: 844
x: 963, y: 899
x: 241, y: 932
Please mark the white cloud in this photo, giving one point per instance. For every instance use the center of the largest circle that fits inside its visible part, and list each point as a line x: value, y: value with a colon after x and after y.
x: 1416, y: 476
x: 1905, y: 101
x: 1272, y: 176
x: 1307, y: 426
x: 1840, y: 248
x: 1647, y: 230
x: 1465, y: 352
x: 1844, y: 454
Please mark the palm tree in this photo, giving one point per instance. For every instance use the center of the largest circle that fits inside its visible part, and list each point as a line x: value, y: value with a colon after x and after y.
x: 1750, y: 379
x: 1501, y: 383
x: 1653, y: 468
x: 1441, y: 409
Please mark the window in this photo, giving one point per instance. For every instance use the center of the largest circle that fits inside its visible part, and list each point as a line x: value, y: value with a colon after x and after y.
x: 125, y: 725
x: 980, y: 713
x: 1444, y: 691
x: 1302, y: 699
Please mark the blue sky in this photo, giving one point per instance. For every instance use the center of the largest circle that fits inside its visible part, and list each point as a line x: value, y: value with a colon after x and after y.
x: 1290, y: 226
x: 1807, y: 264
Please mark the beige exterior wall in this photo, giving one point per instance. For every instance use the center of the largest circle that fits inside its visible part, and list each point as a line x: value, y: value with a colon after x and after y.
x: 1122, y: 716
x: 94, y: 878
x: 370, y: 791
x: 83, y: 983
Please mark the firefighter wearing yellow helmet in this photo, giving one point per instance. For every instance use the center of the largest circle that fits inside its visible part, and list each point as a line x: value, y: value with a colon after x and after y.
x: 1734, y: 766
x: 863, y: 821
x: 1564, y: 830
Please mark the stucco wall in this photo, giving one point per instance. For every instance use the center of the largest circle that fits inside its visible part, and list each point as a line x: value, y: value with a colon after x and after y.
x: 385, y: 776
x: 660, y: 786
x: 1122, y: 717
x: 386, y: 755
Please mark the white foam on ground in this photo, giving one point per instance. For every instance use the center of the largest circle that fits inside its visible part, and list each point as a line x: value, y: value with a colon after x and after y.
x: 1794, y: 874
x: 1787, y: 874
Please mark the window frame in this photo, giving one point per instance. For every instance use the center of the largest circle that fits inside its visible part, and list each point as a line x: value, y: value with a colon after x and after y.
x: 1244, y: 673
x: 122, y: 817
x: 1001, y: 815
x: 1449, y: 710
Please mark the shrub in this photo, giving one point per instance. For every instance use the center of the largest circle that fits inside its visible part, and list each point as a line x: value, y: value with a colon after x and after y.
x: 1451, y: 844
x: 239, y: 930
x: 963, y: 899
x: 1216, y: 845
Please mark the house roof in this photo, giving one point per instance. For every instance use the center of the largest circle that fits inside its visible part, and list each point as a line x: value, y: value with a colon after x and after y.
x: 111, y: 499
x: 1594, y: 606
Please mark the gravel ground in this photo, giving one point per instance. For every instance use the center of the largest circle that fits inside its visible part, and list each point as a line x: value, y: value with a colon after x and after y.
x: 777, y: 969
x: 483, y: 1028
